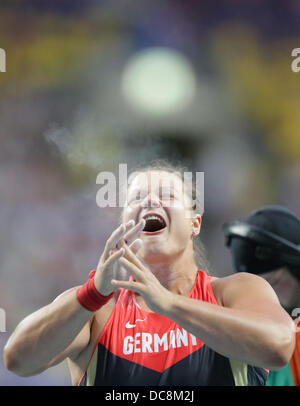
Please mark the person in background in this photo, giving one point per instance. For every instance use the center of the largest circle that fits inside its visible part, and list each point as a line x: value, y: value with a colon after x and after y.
x: 267, y: 243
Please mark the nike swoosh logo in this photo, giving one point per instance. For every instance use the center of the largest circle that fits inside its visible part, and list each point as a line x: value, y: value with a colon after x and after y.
x: 128, y: 325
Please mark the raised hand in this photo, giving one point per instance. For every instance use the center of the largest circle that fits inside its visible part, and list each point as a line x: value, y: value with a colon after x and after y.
x: 156, y: 296
x: 108, y: 266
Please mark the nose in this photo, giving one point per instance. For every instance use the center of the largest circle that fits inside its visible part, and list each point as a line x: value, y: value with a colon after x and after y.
x: 151, y: 200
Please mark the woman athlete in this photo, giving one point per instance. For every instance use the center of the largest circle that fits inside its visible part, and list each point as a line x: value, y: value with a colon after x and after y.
x: 169, y: 322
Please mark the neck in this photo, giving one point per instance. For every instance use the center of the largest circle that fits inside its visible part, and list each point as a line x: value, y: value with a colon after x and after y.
x: 177, y: 275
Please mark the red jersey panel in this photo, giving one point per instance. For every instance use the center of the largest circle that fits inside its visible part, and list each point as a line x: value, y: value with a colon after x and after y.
x: 137, y: 347
x: 147, y: 338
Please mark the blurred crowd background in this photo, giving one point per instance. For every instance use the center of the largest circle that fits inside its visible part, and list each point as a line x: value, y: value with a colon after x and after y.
x: 92, y: 84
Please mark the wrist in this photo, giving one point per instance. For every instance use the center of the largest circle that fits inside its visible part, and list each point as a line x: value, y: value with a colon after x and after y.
x: 168, y: 303
x: 89, y: 297
x: 105, y: 290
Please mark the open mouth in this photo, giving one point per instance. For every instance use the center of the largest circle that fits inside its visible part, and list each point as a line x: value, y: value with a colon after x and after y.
x: 154, y: 223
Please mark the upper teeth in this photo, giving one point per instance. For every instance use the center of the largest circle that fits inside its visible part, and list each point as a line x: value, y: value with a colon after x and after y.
x: 152, y: 217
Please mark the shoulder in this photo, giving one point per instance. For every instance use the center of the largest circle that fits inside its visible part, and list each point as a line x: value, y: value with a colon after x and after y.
x: 243, y: 285
x: 238, y: 279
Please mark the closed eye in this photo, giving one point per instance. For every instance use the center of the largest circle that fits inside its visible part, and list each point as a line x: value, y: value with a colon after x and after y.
x: 167, y: 196
x: 138, y: 197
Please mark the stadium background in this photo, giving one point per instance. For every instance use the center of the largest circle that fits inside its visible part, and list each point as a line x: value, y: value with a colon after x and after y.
x: 215, y: 90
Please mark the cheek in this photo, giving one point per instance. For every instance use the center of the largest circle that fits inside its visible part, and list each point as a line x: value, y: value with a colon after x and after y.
x: 181, y: 210
x: 128, y: 214
x: 181, y: 224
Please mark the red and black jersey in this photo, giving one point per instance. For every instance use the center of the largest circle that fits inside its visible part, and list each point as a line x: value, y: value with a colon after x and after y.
x: 141, y: 348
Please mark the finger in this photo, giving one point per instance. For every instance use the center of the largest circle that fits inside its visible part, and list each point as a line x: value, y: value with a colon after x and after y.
x: 114, y: 257
x: 120, y: 238
x: 130, y: 256
x: 134, y: 233
x: 119, y: 245
x: 132, y: 269
x: 113, y: 239
x: 134, y: 286
x: 129, y: 225
x: 110, y: 242
x: 136, y: 245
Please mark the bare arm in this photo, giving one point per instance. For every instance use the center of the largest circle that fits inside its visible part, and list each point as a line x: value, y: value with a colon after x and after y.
x: 62, y: 329
x: 249, y: 325
x: 48, y: 336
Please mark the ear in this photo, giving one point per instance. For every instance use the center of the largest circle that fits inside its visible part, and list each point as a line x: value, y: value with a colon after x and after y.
x: 196, y: 223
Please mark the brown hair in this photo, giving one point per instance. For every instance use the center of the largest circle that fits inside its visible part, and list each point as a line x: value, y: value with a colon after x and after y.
x: 178, y: 169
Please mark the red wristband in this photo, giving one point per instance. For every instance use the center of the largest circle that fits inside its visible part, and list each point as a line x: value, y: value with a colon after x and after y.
x: 89, y: 297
